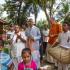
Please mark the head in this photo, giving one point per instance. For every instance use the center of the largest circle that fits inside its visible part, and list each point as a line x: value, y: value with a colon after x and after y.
x: 17, y: 28
x: 69, y: 26
x: 24, y: 26
x: 11, y: 27
x: 30, y: 23
x: 1, y: 45
x: 65, y: 27
x: 26, y: 55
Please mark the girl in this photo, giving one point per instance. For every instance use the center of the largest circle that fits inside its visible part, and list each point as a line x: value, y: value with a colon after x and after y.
x: 27, y: 63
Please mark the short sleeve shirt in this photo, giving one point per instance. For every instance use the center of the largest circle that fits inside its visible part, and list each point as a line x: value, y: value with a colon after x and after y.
x: 5, y: 61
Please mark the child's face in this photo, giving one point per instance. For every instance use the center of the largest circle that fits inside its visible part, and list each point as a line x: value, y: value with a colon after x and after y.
x: 26, y: 57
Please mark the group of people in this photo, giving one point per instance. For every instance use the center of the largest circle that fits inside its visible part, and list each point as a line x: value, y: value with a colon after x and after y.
x: 25, y: 45
x: 59, y: 36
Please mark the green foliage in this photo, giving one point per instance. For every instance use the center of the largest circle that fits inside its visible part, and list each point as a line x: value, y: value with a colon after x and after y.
x: 6, y: 50
x: 40, y: 24
x: 6, y: 42
x: 65, y: 8
x: 1, y: 11
x: 67, y: 19
x: 18, y: 13
x: 1, y: 29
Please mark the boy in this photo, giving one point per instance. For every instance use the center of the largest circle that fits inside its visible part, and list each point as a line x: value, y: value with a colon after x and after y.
x: 5, y: 60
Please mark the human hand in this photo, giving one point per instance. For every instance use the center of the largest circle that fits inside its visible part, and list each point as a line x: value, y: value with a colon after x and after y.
x: 53, y: 35
x: 31, y: 37
x: 18, y: 36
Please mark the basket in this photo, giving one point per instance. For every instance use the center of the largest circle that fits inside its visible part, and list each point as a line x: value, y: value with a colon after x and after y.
x: 61, y: 54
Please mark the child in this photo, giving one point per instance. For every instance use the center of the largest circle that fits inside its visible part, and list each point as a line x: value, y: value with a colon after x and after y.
x: 27, y: 63
x: 5, y: 60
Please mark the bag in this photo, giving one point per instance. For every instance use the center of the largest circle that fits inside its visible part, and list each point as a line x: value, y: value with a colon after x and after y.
x: 61, y: 54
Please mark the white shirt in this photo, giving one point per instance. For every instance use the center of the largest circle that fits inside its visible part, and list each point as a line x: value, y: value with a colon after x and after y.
x: 10, y: 33
x: 22, y: 34
x: 64, y: 39
x: 19, y: 45
x: 45, y: 35
x: 69, y: 39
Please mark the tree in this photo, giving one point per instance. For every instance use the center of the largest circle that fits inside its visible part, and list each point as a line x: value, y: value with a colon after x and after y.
x: 32, y: 7
x: 64, y: 12
x: 1, y: 11
x: 15, y: 10
x: 47, y: 5
x: 18, y: 12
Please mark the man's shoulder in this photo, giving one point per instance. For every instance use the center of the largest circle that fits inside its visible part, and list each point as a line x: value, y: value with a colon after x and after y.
x: 35, y: 27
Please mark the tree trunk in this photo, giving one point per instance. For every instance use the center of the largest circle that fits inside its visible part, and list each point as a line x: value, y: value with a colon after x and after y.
x: 18, y: 18
x: 47, y: 17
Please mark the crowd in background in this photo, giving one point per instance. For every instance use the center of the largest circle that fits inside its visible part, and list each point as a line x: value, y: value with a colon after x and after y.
x: 28, y: 45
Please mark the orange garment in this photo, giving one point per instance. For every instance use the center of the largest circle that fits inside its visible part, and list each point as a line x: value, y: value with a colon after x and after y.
x: 54, y: 30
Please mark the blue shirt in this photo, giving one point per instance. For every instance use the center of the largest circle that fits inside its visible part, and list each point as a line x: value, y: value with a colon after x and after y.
x: 35, y: 33
x: 5, y: 61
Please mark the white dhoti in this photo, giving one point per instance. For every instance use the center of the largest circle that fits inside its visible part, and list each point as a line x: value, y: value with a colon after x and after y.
x: 63, y: 66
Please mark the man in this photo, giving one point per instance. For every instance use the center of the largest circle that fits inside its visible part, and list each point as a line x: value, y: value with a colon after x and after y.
x: 18, y: 43
x: 33, y: 38
x: 45, y: 33
x: 63, y: 41
x: 5, y: 60
x: 33, y: 34
x: 54, y: 31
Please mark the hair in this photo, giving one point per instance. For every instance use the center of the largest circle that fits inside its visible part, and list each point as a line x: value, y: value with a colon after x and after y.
x: 26, y: 50
x: 69, y: 24
x: 65, y: 23
x: 30, y: 20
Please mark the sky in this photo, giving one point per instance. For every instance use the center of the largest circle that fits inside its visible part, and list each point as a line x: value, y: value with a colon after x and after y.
x: 2, y: 1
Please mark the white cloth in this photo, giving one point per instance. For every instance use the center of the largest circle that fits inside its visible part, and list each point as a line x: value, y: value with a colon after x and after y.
x: 45, y: 35
x: 45, y: 32
x: 64, y: 39
x: 19, y: 45
x: 62, y: 66
x: 10, y: 33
